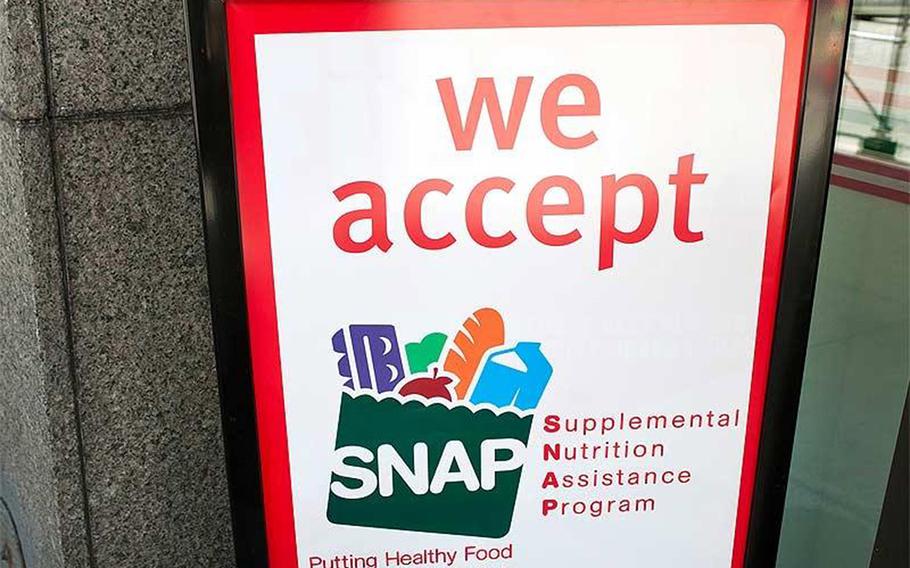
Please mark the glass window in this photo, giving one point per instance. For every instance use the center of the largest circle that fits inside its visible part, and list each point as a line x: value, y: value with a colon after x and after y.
x: 857, y: 371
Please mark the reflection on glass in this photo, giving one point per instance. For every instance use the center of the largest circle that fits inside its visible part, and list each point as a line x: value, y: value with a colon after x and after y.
x: 857, y: 369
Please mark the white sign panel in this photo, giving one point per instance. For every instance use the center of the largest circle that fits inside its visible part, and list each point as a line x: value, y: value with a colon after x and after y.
x: 517, y: 275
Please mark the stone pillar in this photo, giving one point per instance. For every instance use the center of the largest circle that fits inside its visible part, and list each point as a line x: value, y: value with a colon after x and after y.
x: 110, y: 440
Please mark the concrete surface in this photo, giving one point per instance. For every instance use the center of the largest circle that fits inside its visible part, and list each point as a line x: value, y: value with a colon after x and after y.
x: 110, y: 439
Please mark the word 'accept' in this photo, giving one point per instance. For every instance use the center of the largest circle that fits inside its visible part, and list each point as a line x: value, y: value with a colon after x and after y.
x: 551, y: 197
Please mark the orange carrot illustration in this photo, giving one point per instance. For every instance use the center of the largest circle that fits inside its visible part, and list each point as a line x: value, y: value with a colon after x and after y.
x: 481, y: 332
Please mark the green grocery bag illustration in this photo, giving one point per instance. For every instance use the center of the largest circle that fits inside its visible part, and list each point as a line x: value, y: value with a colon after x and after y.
x: 433, y: 453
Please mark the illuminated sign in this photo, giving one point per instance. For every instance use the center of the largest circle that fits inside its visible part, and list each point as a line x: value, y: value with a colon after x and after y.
x: 511, y: 271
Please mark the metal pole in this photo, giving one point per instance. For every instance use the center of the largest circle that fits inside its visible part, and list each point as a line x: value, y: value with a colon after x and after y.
x: 891, y: 81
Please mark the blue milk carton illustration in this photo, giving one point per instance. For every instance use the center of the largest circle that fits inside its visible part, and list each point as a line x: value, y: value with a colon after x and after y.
x: 513, y: 377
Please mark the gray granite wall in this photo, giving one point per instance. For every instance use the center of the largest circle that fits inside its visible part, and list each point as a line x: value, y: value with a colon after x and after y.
x: 110, y: 441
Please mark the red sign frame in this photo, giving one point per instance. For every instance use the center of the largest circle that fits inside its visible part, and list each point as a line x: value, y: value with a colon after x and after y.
x: 244, y: 19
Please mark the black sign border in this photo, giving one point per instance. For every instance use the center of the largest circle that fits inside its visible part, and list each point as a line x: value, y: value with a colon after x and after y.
x: 207, y: 44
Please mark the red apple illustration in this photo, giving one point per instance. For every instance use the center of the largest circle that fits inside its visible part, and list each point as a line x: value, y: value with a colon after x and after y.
x: 428, y: 387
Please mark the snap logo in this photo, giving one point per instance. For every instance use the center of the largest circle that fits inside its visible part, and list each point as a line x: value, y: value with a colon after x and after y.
x: 433, y: 437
